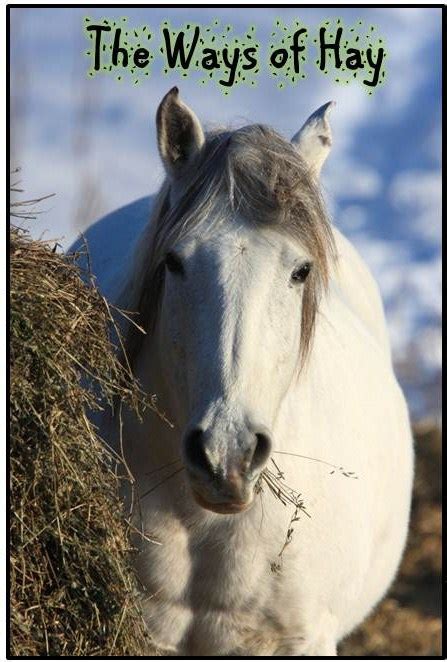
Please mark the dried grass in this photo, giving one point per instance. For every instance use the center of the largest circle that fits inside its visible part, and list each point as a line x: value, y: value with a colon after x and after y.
x: 274, y: 481
x: 408, y: 622
x: 72, y: 587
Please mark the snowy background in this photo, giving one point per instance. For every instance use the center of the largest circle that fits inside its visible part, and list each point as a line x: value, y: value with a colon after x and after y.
x: 92, y: 142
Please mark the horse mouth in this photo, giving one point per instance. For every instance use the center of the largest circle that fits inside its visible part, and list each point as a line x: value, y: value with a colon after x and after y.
x: 223, y: 507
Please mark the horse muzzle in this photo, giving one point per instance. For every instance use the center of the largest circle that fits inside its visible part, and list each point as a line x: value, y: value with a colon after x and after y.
x: 223, y: 469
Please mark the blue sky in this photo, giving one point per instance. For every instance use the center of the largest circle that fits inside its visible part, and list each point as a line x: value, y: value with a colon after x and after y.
x: 92, y: 142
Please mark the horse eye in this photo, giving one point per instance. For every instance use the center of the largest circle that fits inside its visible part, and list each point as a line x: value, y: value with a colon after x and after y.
x: 174, y: 264
x: 300, y: 274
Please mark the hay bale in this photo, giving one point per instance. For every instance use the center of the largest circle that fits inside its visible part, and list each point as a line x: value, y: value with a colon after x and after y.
x: 72, y: 587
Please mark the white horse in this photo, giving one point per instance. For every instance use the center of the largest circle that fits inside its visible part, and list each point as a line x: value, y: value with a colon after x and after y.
x: 265, y: 341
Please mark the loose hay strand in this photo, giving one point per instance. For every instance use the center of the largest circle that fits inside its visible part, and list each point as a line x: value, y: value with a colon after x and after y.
x: 288, y: 496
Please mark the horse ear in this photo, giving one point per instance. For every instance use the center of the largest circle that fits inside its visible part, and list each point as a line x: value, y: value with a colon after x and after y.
x: 314, y: 139
x: 179, y: 133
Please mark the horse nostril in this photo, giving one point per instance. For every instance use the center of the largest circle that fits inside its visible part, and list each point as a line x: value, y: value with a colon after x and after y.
x: 262, y: 450
x: 194, y: 450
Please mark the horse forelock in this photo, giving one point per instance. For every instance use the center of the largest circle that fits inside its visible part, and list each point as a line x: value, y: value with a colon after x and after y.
x: 252, y: 172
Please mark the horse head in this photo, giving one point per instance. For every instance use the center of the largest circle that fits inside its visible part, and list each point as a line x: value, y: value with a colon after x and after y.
x: 240, y: 255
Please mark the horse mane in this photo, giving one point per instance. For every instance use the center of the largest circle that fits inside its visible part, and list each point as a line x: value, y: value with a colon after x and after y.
x: 252, y: 171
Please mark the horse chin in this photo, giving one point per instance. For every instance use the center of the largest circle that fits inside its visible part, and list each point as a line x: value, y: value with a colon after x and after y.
x: 222, y: 508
